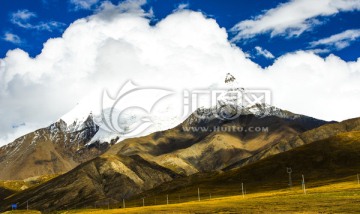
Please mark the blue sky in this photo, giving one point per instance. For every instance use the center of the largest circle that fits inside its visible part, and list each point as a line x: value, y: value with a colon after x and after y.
x: 227, y: 14
x: 55, y: 54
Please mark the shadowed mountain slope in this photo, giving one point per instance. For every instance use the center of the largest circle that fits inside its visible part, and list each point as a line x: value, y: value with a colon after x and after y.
x: 307, y: 137
x: 323, y: 161
x: 207, y: 144
x: 102, y: 179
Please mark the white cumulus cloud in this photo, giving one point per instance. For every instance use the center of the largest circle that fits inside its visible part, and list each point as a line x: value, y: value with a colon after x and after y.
x: 292, y: 18
x: 118, y: 43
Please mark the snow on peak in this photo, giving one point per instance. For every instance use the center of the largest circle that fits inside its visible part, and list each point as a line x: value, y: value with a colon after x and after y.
x: 264, y: 110
x: 229, y: 78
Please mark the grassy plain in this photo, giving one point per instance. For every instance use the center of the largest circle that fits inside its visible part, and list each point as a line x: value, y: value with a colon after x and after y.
x: 341, y: 197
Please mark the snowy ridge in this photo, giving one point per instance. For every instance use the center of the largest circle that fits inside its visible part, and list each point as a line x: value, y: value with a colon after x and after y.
x: 264, y: 110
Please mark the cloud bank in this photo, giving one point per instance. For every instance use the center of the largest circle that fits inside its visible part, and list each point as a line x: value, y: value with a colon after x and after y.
x: 118, y: 43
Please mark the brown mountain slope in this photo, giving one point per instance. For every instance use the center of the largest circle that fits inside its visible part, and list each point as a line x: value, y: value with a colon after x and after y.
x: 111, y: 178
x: 51, y: 150
x: 187, y: 150
x: 60, y: 147
x: 323, y: 161
x: 104, y: 178
x: 8, y: 188
x: 307, y: 137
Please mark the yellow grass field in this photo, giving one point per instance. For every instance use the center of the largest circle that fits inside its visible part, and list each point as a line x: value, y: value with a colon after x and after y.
x: 333, y: 198
x: 22, y: 212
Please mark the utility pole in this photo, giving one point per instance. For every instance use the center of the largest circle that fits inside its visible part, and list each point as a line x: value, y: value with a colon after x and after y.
x: 242, y: 189
x: 198, y: 193
x: 303, y: 184
x: 289, y: 171
x: 167, y: 199
x: 143, y: 202
x: 124, y: 203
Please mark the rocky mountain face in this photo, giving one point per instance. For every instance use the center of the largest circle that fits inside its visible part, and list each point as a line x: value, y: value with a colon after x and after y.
x: 198, y: 145
x: 52, y: 150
